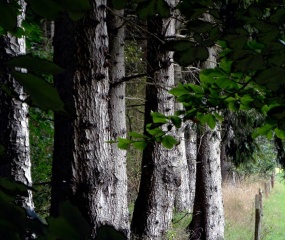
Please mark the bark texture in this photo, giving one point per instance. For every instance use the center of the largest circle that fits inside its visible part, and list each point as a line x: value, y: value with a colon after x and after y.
x: 191, y: 155
x: 14, y: 127
x: 116, y: 30
x: 208, y: 215
x: 160, y: 169
x: 183, y: 201
x: 84, y: 169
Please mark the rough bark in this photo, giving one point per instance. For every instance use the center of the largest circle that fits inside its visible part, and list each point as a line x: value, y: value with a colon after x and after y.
x: 191, y: 155
x: 116, y: 30
x: 160, y: 175
x: 15, y: 161
x: 183, y: 201
x: 208, y: 215
x: 84, y: 170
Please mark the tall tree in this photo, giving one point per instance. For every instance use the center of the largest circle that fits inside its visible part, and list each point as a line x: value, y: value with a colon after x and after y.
x: 190, y: 136
x: 183, y: 193
x: 15, y: 159
x: 159, y: 178
x: 208, y: 213
x: 118, y: 128
x: 84, y: 169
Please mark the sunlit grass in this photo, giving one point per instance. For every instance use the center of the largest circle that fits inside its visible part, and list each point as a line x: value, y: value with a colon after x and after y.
x: 239, y: 211
x: 274, y: 213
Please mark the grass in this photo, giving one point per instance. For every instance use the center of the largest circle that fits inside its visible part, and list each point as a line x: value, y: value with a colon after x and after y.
x: 239, y: 211
x: 274, y: 213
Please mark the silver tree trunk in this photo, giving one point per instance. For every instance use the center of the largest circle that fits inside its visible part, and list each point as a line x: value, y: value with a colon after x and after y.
x: 117, y: 111
x: 208, y: 216
x: 15, y: 162
x: 160, y: 169
x: 183, y: 202
x: 84, y: 169
x: 191, y: 156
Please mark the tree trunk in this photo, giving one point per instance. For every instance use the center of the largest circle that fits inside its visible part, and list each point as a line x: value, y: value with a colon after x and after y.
x: 183, y: 201
x: 15, y: 161
x: 208, y: 215
x: 160, y: 170
x: 84, y: 169
x: 191, y: 155
x: 116, y: 30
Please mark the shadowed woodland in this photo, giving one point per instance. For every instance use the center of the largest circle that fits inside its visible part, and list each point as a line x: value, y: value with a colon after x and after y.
x: 119, y: 117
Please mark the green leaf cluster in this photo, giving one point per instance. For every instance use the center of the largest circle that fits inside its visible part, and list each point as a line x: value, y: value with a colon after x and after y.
x: 41, y: 93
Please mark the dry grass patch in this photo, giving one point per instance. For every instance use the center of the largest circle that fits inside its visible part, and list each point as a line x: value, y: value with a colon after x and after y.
x: 239, y: 208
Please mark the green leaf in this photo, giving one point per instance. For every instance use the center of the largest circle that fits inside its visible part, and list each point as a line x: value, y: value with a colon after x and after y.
x: 45, y: 8
x: 269, y: 135
x: 35, y: 64
x: 238, y: 40
x: 168, y: 141
x: 209, y: 119
x: 196, y: 88
x: 140, y: 145
x: 162, y: 8
x: 13, y: 187
x: 119, y: 4
x: 233, y: 106
x: 219, y: 117
x: 155, y: 131
x: 136, y: 135
x: 264, y: 130
x: 277, y: 112
x: 211, y: 75
x: 8, y: 16
x: 179, y: 90
x: 191, y: 54
x: 70, y: 225
x: 146, y: 9
x: 248, y: 63
x: 176, y: 121
x: 179, y: 45
x: 109, y: 233
x: 124, y: 143
x: 280, y: 133
x: 42, y: 93
x: 272, y: 78
x: 158, y: 117
x: 200, y: 26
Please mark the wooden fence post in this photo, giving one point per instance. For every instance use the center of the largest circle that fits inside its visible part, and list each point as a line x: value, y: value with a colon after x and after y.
x: 258, y: 215
x: 266, y: 190
x: 272, y: 180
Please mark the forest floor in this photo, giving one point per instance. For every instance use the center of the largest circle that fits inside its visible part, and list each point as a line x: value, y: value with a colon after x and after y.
x: 240, y: 212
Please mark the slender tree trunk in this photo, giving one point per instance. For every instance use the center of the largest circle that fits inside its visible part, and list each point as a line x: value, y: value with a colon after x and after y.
x: 15, y: 161
x: 116, y: 30
x: 183, y: 202
x: 191, y: 155
x: 208, y: 215
x: 84, y: 169
x: 160, y: 169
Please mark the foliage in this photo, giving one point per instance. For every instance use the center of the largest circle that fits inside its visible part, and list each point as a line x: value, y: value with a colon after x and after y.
x: 237, y: 129
x: 263, y: 160
x: 250, y: 71
x: 41, y: 144
x: 16, y: 223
